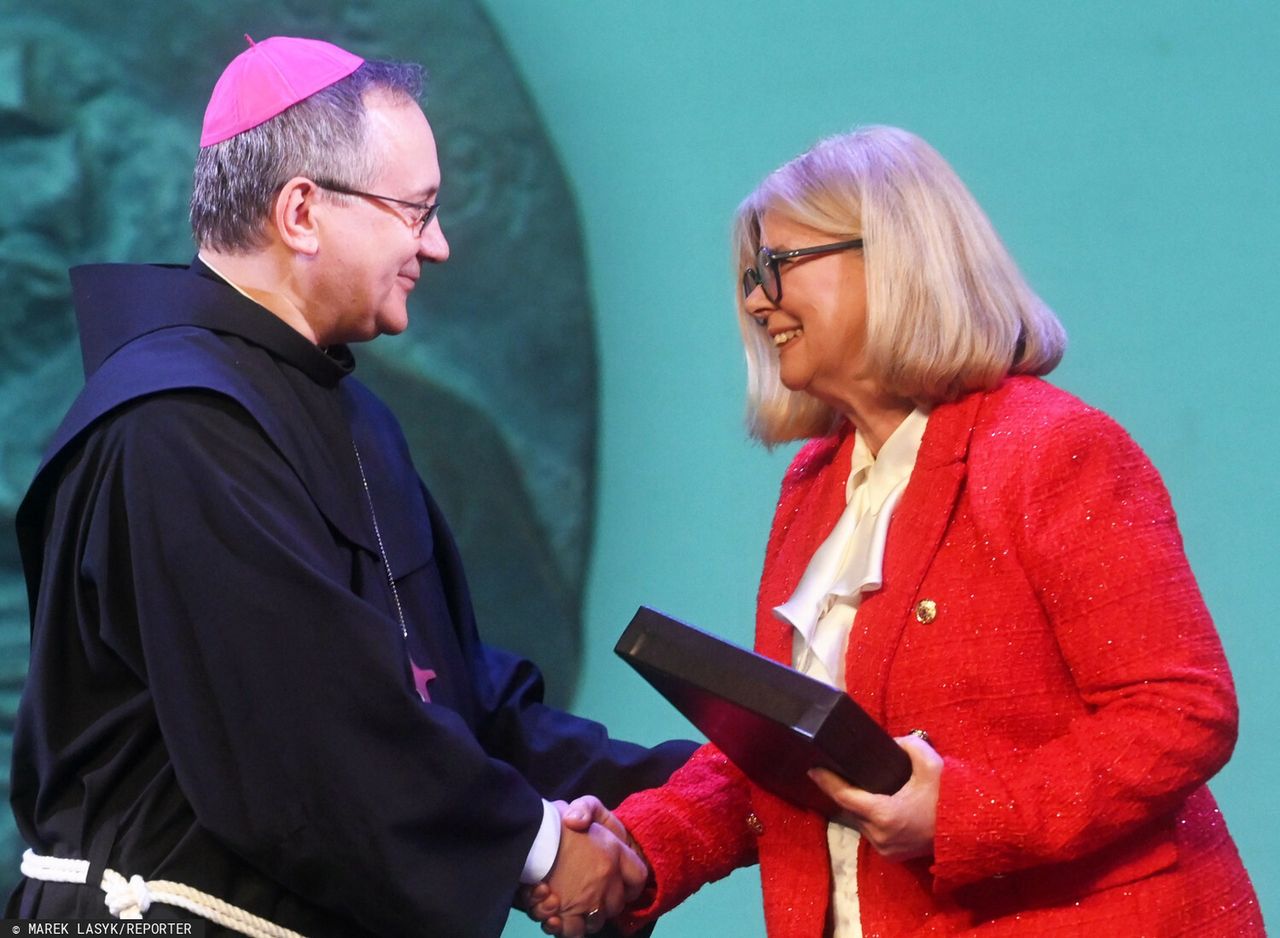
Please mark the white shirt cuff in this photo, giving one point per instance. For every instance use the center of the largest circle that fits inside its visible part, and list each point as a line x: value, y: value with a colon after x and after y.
x: 545, y: 847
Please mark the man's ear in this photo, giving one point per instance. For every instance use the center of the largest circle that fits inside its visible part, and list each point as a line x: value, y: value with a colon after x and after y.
x: 294, y: 215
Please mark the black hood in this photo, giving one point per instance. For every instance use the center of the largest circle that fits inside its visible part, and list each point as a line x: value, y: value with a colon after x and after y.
x: 117, y: 303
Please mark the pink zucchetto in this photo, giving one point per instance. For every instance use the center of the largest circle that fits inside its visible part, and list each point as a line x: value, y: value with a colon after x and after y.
x: 268, y: 77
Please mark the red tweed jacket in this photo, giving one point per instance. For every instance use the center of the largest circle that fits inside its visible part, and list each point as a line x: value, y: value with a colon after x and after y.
x: 1070, y: 677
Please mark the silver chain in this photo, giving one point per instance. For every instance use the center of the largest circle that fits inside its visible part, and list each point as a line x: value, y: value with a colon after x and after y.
x: 377, y: 533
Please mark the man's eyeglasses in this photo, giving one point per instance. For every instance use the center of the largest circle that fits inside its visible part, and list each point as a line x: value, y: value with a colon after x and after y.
x: 765, y: 273
x: 425, y: 210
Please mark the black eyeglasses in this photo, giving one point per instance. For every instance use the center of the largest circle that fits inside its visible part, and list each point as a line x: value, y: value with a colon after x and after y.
x: 426, y: 210
x: 765, y: 273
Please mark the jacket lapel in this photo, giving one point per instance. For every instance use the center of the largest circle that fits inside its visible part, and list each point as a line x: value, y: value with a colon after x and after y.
x: 915, y: 533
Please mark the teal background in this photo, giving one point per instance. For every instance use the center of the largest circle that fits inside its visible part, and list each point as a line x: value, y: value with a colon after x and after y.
x: 1126, y: 152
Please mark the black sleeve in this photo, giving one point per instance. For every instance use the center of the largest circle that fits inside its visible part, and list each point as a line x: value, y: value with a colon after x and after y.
x: 280, y: 694
x: 563, y: 755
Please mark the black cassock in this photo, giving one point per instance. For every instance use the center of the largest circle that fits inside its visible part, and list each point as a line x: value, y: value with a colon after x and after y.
x: 220, y: 691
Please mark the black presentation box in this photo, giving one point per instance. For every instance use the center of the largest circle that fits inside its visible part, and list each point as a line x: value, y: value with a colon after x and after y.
x: 773, y: 722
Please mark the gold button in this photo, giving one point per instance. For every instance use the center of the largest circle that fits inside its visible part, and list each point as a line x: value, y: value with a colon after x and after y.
x: 926, y: 611
x: 753, y: 822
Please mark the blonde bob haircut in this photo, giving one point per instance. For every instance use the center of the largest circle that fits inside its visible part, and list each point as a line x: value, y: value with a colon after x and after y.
x: 948, y: 311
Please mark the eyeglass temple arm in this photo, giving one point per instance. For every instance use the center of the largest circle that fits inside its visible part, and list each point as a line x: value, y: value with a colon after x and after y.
x: 818, y: 249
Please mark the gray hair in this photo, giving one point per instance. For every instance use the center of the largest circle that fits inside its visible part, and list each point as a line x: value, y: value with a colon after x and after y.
x: 948, y: 311
x: 237, y: 180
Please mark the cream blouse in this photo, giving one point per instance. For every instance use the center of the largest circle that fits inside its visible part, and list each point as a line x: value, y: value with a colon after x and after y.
x: 825, y: 603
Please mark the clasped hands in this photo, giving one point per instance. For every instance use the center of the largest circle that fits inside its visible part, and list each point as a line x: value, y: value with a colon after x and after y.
x: 597, y: 872
x: 578, y: 899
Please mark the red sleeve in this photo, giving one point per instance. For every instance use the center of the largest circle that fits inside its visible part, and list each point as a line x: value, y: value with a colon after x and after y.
x: 1095, y: 532
x: 693, y: 830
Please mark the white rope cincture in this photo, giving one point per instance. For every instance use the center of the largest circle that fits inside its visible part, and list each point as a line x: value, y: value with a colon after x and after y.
x: 54, y: 869
x: 131, y: 898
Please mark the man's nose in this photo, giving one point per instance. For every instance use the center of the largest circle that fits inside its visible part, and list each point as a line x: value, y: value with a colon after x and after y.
x: 432, y: 244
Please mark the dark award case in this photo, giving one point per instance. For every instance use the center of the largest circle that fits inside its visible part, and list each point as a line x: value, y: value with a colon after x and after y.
x: 774, y: 723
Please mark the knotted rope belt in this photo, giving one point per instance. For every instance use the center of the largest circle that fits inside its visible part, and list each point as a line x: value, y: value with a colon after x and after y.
x: 130, y: 898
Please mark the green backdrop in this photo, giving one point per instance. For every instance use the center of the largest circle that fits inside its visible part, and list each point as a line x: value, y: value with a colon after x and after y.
x: 1126, y: 152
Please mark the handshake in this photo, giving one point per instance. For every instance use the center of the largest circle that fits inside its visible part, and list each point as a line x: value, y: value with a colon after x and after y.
x: 598, y: 871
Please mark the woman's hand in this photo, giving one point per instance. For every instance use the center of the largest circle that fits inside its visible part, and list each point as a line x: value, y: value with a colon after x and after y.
x: 899, y: 826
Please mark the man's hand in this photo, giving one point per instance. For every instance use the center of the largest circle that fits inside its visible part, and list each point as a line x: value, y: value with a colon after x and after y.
x: 592, y: 835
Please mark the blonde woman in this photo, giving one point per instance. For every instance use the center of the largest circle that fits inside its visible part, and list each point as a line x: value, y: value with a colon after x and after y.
x: 987, y: 565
